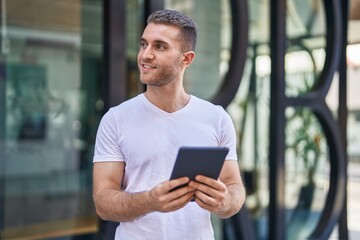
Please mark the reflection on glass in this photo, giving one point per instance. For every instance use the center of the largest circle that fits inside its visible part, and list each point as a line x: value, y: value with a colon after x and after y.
x: 213, y: 19
x: 307, y: 173
x: 51, y: 110
x: 306, y: 155
x: 305, y: 27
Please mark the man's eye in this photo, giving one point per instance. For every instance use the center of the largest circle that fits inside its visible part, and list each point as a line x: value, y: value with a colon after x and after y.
x: 160, y: 47
x: 143, y: 45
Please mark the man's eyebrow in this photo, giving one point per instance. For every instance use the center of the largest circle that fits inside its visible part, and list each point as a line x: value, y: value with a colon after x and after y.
x: 161, y: 42
x: 155, y: 41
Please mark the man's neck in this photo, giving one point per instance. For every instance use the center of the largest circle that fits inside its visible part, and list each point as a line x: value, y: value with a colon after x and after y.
x: 168, y: 101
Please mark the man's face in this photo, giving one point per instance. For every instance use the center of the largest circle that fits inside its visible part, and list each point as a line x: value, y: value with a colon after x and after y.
x: 160, y: 55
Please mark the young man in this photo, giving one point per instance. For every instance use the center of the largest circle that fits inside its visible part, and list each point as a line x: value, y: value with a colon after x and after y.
x: 137, y: 143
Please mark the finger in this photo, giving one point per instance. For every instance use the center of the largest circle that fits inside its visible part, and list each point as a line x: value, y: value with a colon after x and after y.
x: 216, y: 184
x: 178, y: 202
x: 177, y: 183
x: 206, y: 198
x: 207, y: 194
x: 207, y: 189
x: 200, y: 199
x: 179, y: 193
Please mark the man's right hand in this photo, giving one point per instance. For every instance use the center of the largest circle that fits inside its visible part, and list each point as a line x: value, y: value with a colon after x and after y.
x: 114, y: 204
x: 162, y: 199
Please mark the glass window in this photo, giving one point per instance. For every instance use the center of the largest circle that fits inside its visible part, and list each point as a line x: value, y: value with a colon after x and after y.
x: 213, y: 19
x: 50, y: 68
x: 307, y: 172
x: 306, y: 155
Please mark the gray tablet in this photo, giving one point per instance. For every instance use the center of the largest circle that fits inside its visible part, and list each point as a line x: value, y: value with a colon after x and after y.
x: 192, y: 161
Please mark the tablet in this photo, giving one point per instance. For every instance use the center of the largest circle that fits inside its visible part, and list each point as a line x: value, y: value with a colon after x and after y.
x: 192, y: 161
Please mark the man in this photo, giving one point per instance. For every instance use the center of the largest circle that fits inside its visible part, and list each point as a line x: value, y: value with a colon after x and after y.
x: 137, y: 143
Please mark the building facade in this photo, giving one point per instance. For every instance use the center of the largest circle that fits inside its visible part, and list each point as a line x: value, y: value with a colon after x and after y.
x: 278, y: 67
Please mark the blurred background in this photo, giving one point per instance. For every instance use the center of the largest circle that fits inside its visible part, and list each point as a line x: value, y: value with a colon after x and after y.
x: 64, y: 63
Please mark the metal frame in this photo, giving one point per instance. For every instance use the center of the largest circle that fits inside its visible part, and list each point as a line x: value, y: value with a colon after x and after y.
x: 315, y: 101
x: 240, y: 29
x: 115, y: 86
x: 343, y: 112
x: 277, y: 120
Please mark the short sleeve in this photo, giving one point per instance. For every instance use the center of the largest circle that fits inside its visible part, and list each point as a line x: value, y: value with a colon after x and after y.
x: 107, y: 147
x: 228, y: 136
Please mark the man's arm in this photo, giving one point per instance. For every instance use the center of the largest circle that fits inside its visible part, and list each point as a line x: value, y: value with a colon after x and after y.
x: 223, y: 197
x: 114, y: 204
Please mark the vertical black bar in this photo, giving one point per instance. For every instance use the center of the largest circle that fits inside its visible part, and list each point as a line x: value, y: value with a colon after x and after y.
x: 343, y: 111
x: 253, y: 90
x: 277, y: 120
x: 115, y: 65
x: 151, y: 6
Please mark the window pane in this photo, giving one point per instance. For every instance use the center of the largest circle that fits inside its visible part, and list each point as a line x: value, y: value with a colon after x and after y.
x: 50, y: 68
x: 307, y: 172
x: 213, y: 19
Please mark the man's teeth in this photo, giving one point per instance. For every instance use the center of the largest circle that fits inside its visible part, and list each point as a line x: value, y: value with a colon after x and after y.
x: 147, y: 66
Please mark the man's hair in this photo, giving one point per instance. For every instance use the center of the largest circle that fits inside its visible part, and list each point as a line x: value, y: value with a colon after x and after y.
x: 177, y: 19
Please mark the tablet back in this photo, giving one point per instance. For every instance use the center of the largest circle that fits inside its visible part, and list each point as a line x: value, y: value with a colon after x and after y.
x: 191, y: 161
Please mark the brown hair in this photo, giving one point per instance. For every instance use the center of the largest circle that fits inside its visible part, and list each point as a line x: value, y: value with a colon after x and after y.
x: 175, y: 18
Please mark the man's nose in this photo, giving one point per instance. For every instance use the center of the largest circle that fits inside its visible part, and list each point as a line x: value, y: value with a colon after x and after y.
x: 148, y: 53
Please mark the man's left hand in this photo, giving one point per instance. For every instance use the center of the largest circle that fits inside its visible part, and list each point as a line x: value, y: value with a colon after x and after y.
x: 210, y: 194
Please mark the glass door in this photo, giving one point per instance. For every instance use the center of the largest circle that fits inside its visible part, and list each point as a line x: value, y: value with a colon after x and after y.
x: 49, y: 111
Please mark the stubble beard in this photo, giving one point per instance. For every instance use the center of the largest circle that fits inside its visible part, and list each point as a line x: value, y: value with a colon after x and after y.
x: 164, y: 76
x: 160, y: 79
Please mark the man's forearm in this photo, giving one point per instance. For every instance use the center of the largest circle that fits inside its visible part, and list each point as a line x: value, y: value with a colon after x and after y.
x: 234, y: 201
x: 119, y: 206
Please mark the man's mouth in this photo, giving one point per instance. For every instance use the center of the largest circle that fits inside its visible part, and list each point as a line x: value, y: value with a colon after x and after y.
x: 146, y: 66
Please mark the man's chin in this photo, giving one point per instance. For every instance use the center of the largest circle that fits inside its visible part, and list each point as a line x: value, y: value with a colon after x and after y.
x: 151, y: 83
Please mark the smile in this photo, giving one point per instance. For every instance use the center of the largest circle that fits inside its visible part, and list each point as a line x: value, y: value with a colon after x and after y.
x: 145, y: 66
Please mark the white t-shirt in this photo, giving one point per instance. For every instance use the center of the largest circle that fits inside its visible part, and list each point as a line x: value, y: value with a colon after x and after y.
x: 147, y: 139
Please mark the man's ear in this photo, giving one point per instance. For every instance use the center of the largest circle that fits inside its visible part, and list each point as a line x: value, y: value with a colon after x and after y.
x: 188, y: 57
